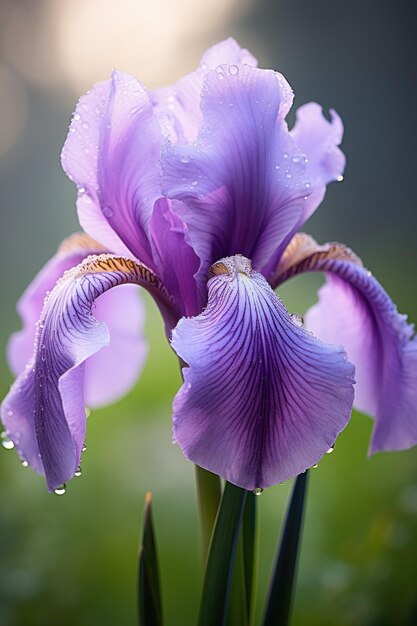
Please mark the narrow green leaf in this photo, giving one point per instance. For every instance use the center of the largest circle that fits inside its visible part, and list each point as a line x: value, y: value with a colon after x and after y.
x: 249, y: 549
x: 208, y: 496
x: 149, y: 590
x: 221, y: 557
x: 280, y: 596
x: 238, y: 609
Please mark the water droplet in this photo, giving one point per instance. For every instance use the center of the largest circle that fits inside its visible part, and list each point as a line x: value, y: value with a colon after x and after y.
x: 10, y: 413
x: 173, y: 441
x: 25, y: 463
x: 60, y: 491
x: 234, y: 70
x: 315, y: 466
x: 78, y: 471
x: 81, y: 190
x: 7, y: 443
x: 76, y: 117
x: 277, y: 167
x: 194, y: 183
x: 288, y: 175
x: 184, y: 159
x: 339, y: 179
x: 296, y: 158
x: 330, y: 450
x: 257, y: 491
x: 87, y: 411
x: 107, y: 211
x: 285, y: 155
x: 297, y: 319
x: 84, y: 448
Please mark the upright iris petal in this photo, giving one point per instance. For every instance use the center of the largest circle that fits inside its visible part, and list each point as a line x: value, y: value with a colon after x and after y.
x: 242, y: 188
x: 179, y: 105
x: 112, y: 153
x: 262, y: 399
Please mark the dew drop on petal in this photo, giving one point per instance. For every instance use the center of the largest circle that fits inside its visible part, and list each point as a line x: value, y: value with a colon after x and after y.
x: 315, y: 466
x: 234, y: 70
x: 330, y: 450
x: 297, y: 319
x: 107, y: 211
x: 339, y: 179
x: 84, y: 448
x: 7, y: 443
x: 76, y: 117
x: 25, y: 463
x: 87, y: 411
x: 78, y: 471
x: 257, y: 491
x: 60, y: 491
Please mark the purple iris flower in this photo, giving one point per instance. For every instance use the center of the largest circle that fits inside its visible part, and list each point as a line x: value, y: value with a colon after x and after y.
x: 196, y: 192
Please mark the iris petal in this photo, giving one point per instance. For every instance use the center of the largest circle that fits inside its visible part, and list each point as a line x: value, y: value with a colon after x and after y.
x: 44, y: 412
x: 103, y: 383
x: 70, y: 253
x: 319, y: 139
x: 112, y: 154
x: 262, y: 399
x: 242, y: 181
x: 179, y: 104
x: 176, y: 258
x: 355, y: 311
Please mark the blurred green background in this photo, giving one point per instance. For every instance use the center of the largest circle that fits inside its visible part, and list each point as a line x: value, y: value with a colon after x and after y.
x: 72, y: 559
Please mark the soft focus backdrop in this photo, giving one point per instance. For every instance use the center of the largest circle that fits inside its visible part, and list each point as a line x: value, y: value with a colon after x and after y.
x: 71, y: 560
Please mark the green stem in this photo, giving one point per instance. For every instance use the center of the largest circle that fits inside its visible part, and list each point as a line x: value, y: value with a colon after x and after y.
x: 208, y: 496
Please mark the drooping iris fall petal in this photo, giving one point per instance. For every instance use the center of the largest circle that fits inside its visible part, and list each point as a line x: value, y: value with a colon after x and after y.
x: 262, y: 399
x: 355, y: 311
x: 44, y: 412
x: 122, y: 312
